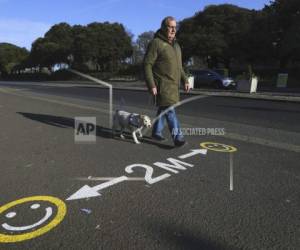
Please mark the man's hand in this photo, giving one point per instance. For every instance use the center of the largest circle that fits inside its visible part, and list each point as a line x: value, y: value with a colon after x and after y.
x: 154, y: 91
x: 186, y: 87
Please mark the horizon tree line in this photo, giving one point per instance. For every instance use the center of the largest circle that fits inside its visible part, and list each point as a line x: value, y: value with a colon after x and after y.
x: 218, y: 35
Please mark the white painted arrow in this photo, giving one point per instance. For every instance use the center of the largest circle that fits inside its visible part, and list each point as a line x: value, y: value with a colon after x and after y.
x: 86, y: 191
x: 194, y: 152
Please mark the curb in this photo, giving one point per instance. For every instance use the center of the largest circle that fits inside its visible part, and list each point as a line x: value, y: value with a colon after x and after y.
x: 268, y: 96
x: 254, y: 96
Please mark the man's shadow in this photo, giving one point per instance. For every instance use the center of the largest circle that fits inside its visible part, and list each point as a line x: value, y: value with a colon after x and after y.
x: 65, y: 122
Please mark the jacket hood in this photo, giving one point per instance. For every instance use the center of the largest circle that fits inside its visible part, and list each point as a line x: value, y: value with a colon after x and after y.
x: 160, y: 34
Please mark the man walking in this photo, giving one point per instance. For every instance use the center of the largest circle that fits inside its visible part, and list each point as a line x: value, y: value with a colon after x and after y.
x: 163, y: 73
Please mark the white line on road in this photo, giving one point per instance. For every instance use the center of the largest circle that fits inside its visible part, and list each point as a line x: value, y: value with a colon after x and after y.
x: 107, y: 179
x: 234, y: 136
x: 87, y: 191
x: 194, y: 152
x: 256, y: 140
x: 264, y: 142
x: 231, y: 171
x: 6, y: 91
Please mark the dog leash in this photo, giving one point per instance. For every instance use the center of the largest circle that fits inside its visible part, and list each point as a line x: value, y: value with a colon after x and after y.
x: 152, y: 100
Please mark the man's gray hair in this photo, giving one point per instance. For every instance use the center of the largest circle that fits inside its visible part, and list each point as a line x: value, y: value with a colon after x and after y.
x: 165, y: 22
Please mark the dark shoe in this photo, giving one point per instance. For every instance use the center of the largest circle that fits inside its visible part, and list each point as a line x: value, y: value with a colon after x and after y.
x: 179, y: 143
x: 158, y: 137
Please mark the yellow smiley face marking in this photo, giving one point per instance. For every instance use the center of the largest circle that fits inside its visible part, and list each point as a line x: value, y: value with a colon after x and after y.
x: 219, y: 147
x: 55, y: 202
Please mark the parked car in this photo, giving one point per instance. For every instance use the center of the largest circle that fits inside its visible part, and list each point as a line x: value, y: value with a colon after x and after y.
x: 207, y: 77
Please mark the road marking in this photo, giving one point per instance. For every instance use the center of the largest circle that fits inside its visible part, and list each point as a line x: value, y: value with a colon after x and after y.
x: 223, y: 148
x: 263, y: 142
x: 234, y: 136
x: 194, y: 152
x: 107, y: 179
x: 252, y: 139
x: 173, y: 165
x: 16, y: 89
x: 219, y: 147
x: 231, y: 171
x: 73, y: 105
x: 87, y: 191
x: 57, y: 203
x: 8, y: 227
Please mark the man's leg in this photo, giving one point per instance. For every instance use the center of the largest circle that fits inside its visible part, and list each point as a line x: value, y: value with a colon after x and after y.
x: 174, y: 127
x: 158, y: 126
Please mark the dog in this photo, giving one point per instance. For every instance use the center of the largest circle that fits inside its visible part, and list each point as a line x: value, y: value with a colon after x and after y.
x: 131, y: 121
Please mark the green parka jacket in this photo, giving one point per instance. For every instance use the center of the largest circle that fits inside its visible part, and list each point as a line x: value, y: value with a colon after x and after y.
x: 163, y: 69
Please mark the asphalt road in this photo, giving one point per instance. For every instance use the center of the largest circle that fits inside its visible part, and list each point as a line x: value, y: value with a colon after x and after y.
x: 154, y: 206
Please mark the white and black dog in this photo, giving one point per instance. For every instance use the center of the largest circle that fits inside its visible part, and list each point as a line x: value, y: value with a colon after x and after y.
x: 131, y: 121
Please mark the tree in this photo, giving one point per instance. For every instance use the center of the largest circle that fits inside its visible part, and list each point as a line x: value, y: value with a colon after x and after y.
x: 141, y: 45
x: 84, y: 48
x: 112, y: 44
x: 45, y: 53
x: 10, y: 56
x: 143, y: 40
x: 285, y: 18
x: 216, y: 33
x: 256, y: 44
x: 100, y: 45
x: 62, y: 36
x: 54, y: 47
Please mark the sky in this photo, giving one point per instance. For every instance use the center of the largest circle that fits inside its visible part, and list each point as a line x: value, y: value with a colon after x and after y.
x: 23, y: 21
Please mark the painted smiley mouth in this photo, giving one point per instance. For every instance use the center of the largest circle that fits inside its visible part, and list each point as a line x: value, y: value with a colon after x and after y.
x: 23, y: 228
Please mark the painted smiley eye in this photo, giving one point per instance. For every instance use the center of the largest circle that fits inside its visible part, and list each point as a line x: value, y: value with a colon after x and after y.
x: 10, y: 215
x: 13, y: 214
x: 35, y: 206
